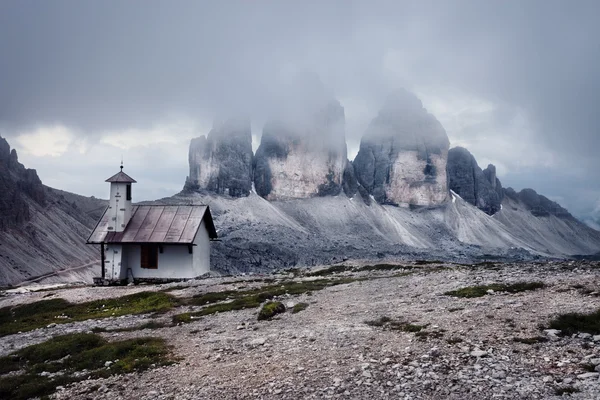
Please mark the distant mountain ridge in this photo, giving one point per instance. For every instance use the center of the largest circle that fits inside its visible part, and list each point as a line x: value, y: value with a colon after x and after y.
x: 299, y: 201
x: 394, y: 200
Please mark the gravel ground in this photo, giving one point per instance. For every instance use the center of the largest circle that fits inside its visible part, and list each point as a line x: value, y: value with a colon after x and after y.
x: 328, y: 351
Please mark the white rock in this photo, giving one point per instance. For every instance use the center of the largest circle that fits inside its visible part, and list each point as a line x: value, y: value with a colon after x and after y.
x: 552, y: 332
x: 479, y: 353
x: 588, y: 375
x: 258, y: 342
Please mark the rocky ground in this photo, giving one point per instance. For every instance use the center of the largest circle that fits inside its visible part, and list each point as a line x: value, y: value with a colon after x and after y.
x: 466, y: 348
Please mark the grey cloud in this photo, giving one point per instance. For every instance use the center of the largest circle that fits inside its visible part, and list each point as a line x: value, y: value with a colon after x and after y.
x: 107, y: 65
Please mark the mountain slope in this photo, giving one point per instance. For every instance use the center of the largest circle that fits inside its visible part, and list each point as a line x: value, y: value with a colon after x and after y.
x: 42, y: 230
x: 259, y: 235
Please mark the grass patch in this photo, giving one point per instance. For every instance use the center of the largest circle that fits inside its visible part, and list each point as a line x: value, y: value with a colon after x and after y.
x: 42, y: 313
x: 335, y: 269
x: 395, y: 325
x: 299, y: 307
x: 253, y: 298
x: 270, y: 309
x: 572, y: 323
x: 212, y: 297
x: 384, y: 267
x: 424, y: 335
x: 531, y: 340
x: 64, y: 356
x: 148, y: 325
x: 479, y: 291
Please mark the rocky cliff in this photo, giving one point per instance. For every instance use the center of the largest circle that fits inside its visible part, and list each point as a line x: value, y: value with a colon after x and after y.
x: 16, y: 182
x: 222, y: 162
x: 297, y: 160
x: 42, y: 230
x: 538, y: 205
x: 480, y: 188
x: 402, y: 156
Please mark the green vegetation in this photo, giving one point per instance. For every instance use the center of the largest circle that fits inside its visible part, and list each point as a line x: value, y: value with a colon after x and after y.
x: 299, y: 307
x: 212, y: 297
x: 253, y: 298
x: 479, y: 291
x: 573, y: 323
x: 63, y: 356
x: 395, y: 325
x: 42, y: 313
x: 184, y: 318
x: 424, y: 335
x: 148, y: 325
x: 531, y: 340
x: 384, y: 267
x: 335, y: 269
x: 270, y: 309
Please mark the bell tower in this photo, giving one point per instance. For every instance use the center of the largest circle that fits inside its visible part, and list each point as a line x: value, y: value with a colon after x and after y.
x: 119, y: 206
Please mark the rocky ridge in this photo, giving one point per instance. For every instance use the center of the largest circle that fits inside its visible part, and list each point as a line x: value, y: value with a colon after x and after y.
x: 42, y: 230
x: 17, y: 183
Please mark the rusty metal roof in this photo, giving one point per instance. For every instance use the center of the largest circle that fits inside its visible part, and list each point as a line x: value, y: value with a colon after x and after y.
x: 121, y: 177
x: 156, y: 224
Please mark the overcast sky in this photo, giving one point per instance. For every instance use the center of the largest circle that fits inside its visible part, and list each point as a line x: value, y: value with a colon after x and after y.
x: 83, y: 83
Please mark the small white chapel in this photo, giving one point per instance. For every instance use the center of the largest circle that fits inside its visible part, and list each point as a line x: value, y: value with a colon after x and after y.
x: 151, y: 242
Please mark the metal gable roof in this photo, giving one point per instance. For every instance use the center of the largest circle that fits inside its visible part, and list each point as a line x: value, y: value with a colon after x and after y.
x: 156, y: 224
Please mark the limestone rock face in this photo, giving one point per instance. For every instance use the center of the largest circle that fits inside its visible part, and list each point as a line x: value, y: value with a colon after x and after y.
x: 538, y: 205
x: 480, y: 188
x: 402, y: 156
x: 222, y: 162
x: 297, y: 160
x: 16, y: 183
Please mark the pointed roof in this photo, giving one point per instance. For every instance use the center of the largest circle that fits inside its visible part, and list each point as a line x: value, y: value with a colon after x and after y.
x: 121, y: 177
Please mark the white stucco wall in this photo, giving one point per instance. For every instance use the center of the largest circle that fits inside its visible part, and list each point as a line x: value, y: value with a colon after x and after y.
x: 119, y: 208
x: 201, y: 254
x: 175, y: 262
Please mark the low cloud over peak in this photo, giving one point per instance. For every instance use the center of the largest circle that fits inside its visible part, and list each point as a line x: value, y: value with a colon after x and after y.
x: 524, y: 73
